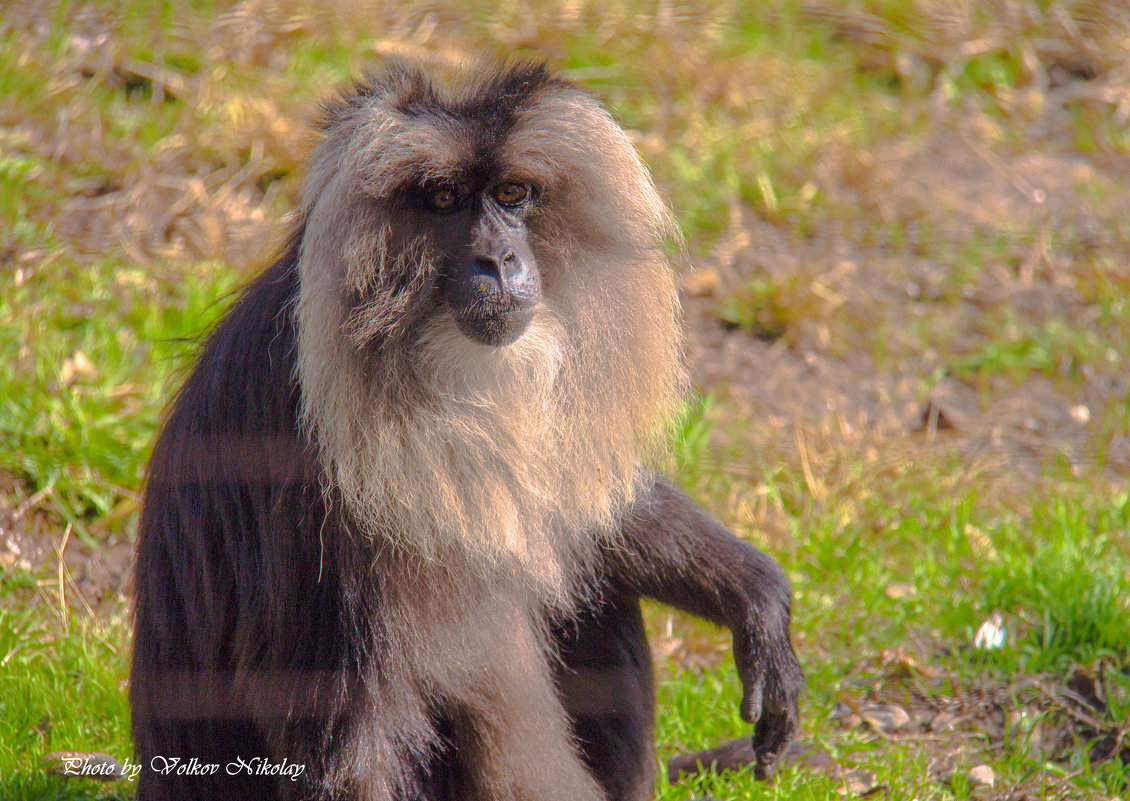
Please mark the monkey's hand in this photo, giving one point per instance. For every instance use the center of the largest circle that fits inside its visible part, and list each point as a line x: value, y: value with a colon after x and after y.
x: 675, y: 552
x: 771, y: 683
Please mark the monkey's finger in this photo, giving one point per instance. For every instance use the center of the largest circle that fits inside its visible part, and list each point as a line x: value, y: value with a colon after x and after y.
x: 770, y: 737
x: 751, y: 671
x: 753, y: 694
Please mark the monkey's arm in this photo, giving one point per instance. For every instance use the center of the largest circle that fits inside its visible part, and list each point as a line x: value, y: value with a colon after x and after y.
x: 673, y: 551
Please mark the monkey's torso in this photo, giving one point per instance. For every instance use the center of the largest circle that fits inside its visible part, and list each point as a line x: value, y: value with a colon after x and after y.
x: 268, y: 628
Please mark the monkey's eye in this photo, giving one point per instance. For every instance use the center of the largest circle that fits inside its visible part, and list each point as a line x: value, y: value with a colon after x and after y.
x: 443, y: 199
x: 510, y: 194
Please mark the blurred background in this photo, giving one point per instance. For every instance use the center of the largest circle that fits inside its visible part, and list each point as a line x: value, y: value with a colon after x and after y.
x: 907, y: 291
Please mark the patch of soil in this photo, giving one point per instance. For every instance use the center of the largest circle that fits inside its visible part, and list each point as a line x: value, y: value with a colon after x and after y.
x: 953, y: 178
x: 94, y: 579
x: 909, y: 702
x: 958, y: 723
x: 858, y: 357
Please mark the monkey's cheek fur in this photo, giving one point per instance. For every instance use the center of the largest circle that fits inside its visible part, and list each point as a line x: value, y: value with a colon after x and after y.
x: 496, y: 329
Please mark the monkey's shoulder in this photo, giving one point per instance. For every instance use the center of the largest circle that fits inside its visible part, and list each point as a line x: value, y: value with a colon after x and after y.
x: 236, y: 415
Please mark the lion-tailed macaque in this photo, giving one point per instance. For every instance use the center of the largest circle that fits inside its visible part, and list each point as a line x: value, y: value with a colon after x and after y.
x: 399, y: 520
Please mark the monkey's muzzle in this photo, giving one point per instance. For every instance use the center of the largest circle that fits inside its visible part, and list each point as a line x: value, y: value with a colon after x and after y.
x: 493, y: 299
x: 496, y: 327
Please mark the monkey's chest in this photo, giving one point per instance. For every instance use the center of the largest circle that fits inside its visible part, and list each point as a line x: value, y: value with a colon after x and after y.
x: 468, y: 635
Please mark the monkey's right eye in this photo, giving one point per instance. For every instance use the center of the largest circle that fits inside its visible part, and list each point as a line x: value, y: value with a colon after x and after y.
x: 511, y: 194
x: 443, y: 199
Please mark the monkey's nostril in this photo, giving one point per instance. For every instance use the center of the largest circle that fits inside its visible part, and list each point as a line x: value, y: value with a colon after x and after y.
x: 486, y: 266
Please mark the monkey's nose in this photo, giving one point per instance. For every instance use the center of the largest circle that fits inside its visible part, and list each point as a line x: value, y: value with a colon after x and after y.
x: 502, y: 267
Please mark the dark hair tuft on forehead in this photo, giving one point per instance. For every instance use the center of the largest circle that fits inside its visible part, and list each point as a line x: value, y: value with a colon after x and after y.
x: 497, y: 92
x: 517, y: 82
x: 405, y: 80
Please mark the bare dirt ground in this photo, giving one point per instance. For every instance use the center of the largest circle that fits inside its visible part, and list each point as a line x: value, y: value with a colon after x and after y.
x: 823, y: 371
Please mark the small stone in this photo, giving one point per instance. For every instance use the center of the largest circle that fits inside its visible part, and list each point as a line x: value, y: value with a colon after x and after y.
x: 857, y: 782
x: 77, y: 367
x: 991, y: 634
x: 943, y: 721
x: 981, y: 776
x: 846, y: 716
x: 899, y: 589
x: 886, y: 717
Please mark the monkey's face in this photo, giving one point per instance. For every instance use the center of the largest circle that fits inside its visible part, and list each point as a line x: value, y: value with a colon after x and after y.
x: 488, y: 276
x: 498, y: 207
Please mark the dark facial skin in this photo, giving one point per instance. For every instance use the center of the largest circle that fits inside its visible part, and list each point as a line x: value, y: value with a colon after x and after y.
x: 490, y: 280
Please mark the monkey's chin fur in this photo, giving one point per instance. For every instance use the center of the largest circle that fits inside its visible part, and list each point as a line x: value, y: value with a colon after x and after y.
x: 498, y: 469
x: 501, y: 467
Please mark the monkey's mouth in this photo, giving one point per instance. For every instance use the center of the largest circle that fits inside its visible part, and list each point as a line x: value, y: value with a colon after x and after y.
x: 497, y: 327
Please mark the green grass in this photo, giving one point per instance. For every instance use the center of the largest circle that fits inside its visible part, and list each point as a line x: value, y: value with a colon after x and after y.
x: 1060, y: 576
x: 62, y: 687
x: 83, y: 431
x: 1072, y: 592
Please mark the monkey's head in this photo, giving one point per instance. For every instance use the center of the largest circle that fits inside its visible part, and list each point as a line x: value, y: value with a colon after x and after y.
x: 488, y: 335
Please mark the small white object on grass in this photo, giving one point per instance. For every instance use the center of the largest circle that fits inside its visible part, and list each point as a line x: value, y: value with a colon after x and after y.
x: 981, y: 776
x: 991, y: 634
